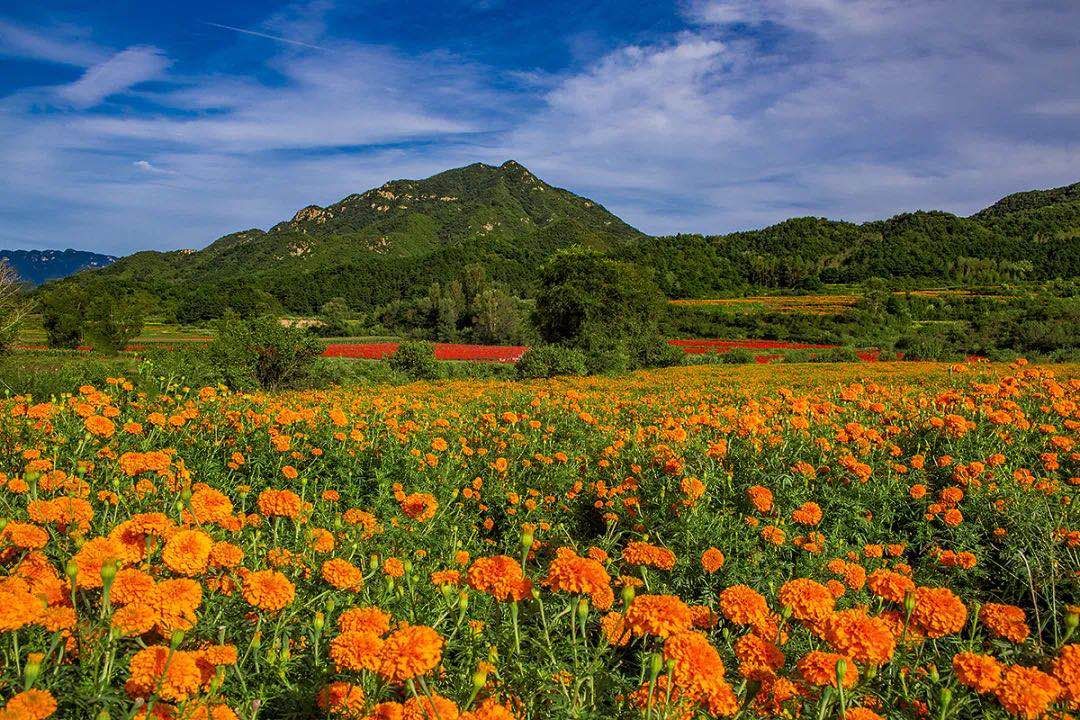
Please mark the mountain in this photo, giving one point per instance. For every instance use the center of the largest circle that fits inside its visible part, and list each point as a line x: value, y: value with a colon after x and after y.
x: 383, y: 244
x: 39, y: 266
x: 393, y: 242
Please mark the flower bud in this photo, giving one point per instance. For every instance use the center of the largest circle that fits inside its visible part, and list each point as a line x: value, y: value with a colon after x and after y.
x: 583, y: 609
x: 526, y: 540
x: 71, y: 570
x: 945, y: 696
x: 1071, y: 621
x: 176, y: 638
x: 909, y: 602
x: 32, y: 670
x: 318, y: 622
x: 479, y: 678
x: 841, y: 671
x: 108, y: 573
x: 935, y: 676
x: 463, y: 601
x: 656, y: 664
x: 627, y: 595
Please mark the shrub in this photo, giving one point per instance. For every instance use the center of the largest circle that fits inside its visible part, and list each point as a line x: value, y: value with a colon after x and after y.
x: 611, y: 359
x: 739, y: 356
x: 655, y: 352
x: 262, y: 353
x: 415, y: 359
x: 545, y: 361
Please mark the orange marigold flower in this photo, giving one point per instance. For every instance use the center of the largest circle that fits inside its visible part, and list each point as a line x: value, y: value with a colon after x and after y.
x: 615, y: 629
x: 938, y: 612
x: 863, y: 637
x: 861, y: 713
x: 341, y: 698
x: 809, y: 513
x: 577, y: 575
x: 500, y: 576
x: 410, y: 651
x: 356, y: 650
x: 1027, y: 692
x: 268, y: 590
x: 173, y: 675
x: 100, y: 426
x: 187, y: 552
x: 30, y: 704
x: 364, y: 619
x: 695, y: 664
x: 743, y: 605
x: 280, y: 503
x: 92, y: 555
x: 435, y: 707
x: 819, y: 669
x: 342, y: 574
x: 810, y: 601
x: 421, y: 507
x: 890, y: 585
x: 1066, y: 670
x: 759, y: 659
x: 209, y: 505
x: 981, y: 673
x: 761, y: 498
x: 660, y: 615
x: 642, y: 553
x: 712, y: 560
x: 1005, y: 621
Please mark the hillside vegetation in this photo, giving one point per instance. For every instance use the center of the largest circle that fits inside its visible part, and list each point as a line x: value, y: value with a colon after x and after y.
x: 394, y: 242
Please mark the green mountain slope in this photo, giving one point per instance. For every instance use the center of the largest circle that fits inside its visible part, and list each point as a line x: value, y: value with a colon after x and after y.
x: 394, y: 241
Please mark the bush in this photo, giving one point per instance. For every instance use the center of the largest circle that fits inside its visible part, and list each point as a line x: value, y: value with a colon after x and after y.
x: 545, y: 361
x: 739, y: 356
x: 656, y: 352
x: 415, y: 359
x: 262, y: 353
x: 610, y: 359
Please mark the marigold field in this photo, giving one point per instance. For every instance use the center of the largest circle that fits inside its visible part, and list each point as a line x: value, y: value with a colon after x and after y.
x: 827, y: 541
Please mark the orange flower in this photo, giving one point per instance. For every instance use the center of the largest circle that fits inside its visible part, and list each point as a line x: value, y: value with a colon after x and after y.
x: 364, y: 619
x: 615, y: 630
x: 187, y: 552
x: 342, y: 574
x: 695, y: 665
x: 435, y: 707
x: 660, y: 615
x: 29, y: 705
x: 353, y: 650
x: 809, y: 601
x: 410, y: 651
x: 279, y: 503
x: 100, y: 426
x: 809, y: 513
x: 268, y: 590
x: 743, y: 605
x: 890, y: 585
x: 981, y: 673
x: 92, y: 556
x: 761, y: 498
x: 500, y: 576
x: 864, y: 638
x: 938, y: 612
x: 173, y: 675
x: 712, y: 560
x: 759, y: 659
x: 819, y: 668
x: 420, y: 507
x: 1066, y: 670
x: 1027, y: 692
x: 573, y: 574
x: 341, y: 698
x: 1005, y: 621
x: 641, y: 553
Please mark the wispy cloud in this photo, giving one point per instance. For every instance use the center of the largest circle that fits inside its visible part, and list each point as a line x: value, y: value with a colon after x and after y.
x: 267, y: 36
x: 64, y: 45
x: 123, y: 70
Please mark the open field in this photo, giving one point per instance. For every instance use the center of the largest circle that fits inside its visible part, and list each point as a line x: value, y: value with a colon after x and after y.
x: 792, y: 540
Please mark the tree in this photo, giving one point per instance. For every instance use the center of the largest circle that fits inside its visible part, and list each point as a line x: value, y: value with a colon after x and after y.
x: 112, y: 323
x: 334, y: 315
x: 496, y: 318
x: 594, y: 303
x: 262, y: 352
x: 63, y: 313
x: 14, y: 307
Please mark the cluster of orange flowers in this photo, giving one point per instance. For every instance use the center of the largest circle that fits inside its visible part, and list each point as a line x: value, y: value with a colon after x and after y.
x: 661, y: 545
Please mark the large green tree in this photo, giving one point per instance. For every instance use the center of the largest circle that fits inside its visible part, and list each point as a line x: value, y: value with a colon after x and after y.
x: 592, y: 302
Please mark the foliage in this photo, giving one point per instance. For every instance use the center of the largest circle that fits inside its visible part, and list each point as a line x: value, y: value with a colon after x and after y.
x: 111, y: 324
x: 546, y: 361
x: 415, y: 359
x: 261, y: 353
x: 63, y: 313
x: 14, y: 307
x: 593, y: 303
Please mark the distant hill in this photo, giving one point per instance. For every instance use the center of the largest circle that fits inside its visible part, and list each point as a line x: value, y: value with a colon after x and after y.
x: 39, y: 266
x: 395, y: 241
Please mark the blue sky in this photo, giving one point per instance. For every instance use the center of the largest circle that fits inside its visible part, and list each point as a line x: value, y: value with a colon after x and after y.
x: 139, y: 125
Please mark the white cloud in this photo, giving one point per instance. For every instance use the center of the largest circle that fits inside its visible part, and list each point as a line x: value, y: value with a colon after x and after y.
x: 846, y: 108
x: 123, y: 70
x: 66, y: 46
